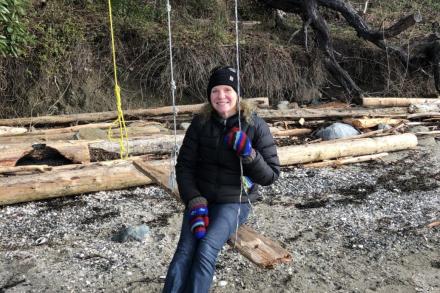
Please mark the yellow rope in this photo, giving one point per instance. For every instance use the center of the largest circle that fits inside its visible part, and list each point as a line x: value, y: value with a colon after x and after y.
x: 123, y: 134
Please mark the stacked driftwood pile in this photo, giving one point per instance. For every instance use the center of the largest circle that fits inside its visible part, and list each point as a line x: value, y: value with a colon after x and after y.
x: 53, y: 156
x: 40, y: 157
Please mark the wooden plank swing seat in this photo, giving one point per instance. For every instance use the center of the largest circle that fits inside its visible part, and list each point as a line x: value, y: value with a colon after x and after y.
x: 259, y: 249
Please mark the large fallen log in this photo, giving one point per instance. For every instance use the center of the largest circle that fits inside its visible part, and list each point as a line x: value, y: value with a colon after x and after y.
x: 301, y: 154
x: 78, y: 132
x: 396, y: 102
x: 153, y: 144
x: 111, y: 115
x: 76, y: 152
x: 72, y: 180
x: 259, y: 249
x: 5, y: 130
x: 396, y: 112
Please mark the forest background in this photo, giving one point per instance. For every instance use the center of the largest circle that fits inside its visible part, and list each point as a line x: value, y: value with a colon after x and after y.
x: 56, y: 54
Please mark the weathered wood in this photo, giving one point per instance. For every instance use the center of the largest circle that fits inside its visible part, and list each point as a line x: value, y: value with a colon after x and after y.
x: 433, y: 224
x: 291, y: 132
x: 424, y: 115
x: 72, y: 180
x: 396, y: 102
x: 396, y: 112
x: 73, y: 133
x: 257, y: 248
x: 5, y: 130
x: 371, y: 122
x: 76, y: 151
x: 301, y: 154
x: 27, y: 169
x: 343, y: 161
x: 111, y: 115
x: 152, y: 144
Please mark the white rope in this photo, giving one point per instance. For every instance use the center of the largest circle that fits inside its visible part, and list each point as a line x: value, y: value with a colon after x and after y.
x: 173, y: 159
x: 237, y: 66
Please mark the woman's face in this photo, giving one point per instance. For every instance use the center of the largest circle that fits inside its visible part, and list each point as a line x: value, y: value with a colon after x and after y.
x: 224, y: 100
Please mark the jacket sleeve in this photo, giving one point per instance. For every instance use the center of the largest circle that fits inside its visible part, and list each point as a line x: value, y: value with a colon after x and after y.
x: 187, y: 164
x: 264, y: 169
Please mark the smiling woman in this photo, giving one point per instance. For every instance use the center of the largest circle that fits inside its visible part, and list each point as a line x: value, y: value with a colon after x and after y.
x: 222, y: 91
x: 210, y: 178
x: 223, y: 99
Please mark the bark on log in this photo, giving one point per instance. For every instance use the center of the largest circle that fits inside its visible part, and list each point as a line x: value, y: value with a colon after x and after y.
x: 111, y: 115
x: 301, y: 154
x: 259, y: 249
x: 396, y: 102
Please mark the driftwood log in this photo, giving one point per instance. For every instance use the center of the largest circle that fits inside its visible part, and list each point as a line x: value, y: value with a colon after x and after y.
x: 396, y: 102
x: 300, y: 154
x: 76, y: 152
x: 111, y: 115
x: 343, y: 161
x: 76, y: 179
x: 362, y: 123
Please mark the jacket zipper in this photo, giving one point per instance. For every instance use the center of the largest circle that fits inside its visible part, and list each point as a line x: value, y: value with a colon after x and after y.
x: 218, y: 154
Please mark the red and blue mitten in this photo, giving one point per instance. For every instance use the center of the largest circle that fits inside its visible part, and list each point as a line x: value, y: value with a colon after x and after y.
x: 239, y: 142
x: 198, y: 216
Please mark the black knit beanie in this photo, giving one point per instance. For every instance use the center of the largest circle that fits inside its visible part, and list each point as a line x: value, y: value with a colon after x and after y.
x: 223, y: 76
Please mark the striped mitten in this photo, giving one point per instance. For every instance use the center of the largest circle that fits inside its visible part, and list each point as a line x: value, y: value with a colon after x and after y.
x: 239, y: 141
x: 198, y: 216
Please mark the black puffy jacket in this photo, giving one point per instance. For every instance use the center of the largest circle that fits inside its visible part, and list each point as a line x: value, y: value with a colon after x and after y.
x: 206, y: 167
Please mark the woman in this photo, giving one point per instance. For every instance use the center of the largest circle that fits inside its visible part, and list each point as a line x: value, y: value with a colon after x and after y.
x: 208, y: 176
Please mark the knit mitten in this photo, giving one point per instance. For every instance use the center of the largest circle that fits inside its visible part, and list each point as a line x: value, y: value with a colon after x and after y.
x: 239, y: 142
x: 198, y: 216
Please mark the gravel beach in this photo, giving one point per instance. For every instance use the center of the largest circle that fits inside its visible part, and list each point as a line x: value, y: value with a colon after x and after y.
x: 356, y: 228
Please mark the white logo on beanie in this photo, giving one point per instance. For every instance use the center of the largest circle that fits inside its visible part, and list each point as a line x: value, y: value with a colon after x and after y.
x: 231, y: 78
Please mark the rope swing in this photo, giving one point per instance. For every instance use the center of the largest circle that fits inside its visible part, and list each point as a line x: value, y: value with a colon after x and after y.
x: 120, y: 121
x: 174, y: 152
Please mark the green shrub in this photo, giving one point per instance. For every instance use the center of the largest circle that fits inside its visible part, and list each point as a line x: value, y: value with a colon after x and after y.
x: 14, y: 36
